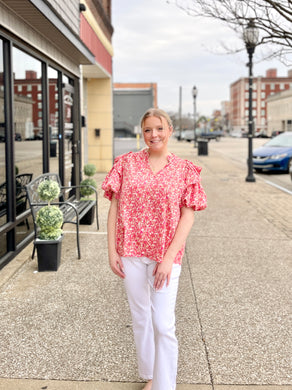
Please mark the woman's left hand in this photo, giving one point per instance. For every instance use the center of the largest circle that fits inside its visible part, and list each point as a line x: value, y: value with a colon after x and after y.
x: 162, y: 273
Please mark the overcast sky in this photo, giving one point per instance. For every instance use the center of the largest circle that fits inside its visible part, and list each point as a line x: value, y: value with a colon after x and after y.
x: 155, y: 41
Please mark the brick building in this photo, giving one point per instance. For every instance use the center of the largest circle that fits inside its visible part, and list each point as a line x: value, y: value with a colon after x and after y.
x: 30, y: 87
x: 263, y: 87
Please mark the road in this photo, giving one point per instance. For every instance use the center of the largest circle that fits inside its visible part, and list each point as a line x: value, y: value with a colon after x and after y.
x: 124, y: 145
x: 237, y: 150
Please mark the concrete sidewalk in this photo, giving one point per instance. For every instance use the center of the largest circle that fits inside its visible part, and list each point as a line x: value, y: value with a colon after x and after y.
x: 72, y: 329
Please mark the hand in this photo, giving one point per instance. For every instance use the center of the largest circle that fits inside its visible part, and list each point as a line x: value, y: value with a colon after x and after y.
x: 116, y: 265
x: 162, y: 272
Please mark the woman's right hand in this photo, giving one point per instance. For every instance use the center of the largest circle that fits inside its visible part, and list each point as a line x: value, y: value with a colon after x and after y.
x: 116, y: 265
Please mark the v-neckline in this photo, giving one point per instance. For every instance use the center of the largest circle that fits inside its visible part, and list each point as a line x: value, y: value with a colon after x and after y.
x: 169, y: 156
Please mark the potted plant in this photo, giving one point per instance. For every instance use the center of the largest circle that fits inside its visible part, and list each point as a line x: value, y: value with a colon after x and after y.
x: 87, y: 189
x: 49, y: 219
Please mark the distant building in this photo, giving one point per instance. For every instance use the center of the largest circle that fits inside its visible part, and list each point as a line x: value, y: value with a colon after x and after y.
x: 131, y: 100
x: 263, y: 87
x: 279, y: 108
x: 225, y: 113
x: 29, y: 89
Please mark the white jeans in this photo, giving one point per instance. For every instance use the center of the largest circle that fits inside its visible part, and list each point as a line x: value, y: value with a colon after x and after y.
x: 153, y: 316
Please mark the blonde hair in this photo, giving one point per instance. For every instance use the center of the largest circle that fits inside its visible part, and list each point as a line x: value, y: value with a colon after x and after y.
x: 158, y: 113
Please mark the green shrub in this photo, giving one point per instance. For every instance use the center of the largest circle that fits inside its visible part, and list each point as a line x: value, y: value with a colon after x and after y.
x: 48, y: 190
x: 89, y: 170
x: 87, y: 191
x: 49, y: 218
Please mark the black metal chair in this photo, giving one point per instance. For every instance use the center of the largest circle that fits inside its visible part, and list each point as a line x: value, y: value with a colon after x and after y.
x: 21, y: 196
x: 21, y: 181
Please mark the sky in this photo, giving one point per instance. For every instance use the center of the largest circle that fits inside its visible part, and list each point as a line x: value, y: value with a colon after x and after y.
x: 154, y: 41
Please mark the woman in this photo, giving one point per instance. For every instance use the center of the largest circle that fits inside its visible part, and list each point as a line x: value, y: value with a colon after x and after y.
x: 153, y: 197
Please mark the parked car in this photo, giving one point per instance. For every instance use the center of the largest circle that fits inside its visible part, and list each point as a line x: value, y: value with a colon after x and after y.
x: 17, y: 137
x: 189, y: 135
x: 200, y: 133
x: 179, y: 135
x: 215, y: 134
x: 235, y: 134
x: 261, y: 134
x: 276, y: 132
x: 275, y: 155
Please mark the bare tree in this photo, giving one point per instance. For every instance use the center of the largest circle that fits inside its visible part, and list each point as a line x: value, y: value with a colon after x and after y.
x: 273, y: 19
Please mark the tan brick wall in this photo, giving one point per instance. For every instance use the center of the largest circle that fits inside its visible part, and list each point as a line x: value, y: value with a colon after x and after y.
x: 100, y: 116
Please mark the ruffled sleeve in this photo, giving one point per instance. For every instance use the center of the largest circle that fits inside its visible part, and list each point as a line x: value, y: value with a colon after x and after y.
x: 194, y: 195
x: 113, y: 181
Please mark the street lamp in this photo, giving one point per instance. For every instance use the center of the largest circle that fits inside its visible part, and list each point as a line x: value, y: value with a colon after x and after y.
x: 195, y: 92
x: 250, y: 37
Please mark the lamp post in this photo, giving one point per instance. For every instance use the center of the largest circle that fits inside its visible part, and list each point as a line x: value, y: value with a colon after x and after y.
x: 195, y: 92
x: 250, y: 37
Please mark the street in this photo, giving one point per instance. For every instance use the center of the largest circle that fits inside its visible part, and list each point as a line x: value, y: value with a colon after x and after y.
x: 234, y: 149
x: 125, y: 145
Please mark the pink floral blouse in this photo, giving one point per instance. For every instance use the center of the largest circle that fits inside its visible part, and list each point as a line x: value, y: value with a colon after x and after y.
x: 149, y: 204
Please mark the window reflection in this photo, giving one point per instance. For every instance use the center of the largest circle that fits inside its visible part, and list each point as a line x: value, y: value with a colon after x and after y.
x: 68, y: 135
x: 65, y: 79
x: 28, y: 128
x: 54, y: 130
x: 3, y: 248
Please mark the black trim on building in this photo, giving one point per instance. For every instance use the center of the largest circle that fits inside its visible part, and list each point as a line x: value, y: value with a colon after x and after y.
x: 45, y: 101
x: 9, y: 149
x: 13, y: 242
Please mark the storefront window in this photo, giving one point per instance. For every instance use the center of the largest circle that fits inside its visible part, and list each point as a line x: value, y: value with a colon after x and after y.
x: 68, y: 134
x: 3, y: 199
x: 2, y: 119
x: 54, y: 130
x: 68, y: 120
x: 27, y: 125
x: 32, y: 138
x: 65, y: 79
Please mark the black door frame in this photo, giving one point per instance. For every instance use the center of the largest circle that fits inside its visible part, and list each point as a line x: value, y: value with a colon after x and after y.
x: 8, y: 230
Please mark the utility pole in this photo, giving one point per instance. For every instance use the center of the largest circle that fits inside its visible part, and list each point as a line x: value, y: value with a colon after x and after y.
x: 179, y: 111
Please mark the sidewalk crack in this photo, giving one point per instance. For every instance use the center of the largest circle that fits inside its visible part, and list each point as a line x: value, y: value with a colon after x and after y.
x: 200, y: 320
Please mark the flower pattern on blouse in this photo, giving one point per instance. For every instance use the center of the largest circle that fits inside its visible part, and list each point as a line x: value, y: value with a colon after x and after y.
x: 149, y: 203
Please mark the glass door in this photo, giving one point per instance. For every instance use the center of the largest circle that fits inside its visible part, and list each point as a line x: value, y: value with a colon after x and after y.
x: 68, y: 136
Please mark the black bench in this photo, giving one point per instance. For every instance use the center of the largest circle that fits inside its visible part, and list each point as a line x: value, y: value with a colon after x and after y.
x: 21, y: 197
x: 73, y: 208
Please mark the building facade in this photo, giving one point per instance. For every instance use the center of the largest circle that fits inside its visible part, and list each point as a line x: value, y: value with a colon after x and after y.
x: 55, y: 100
x: 225, y: 113
x: 263, y: 87
x: 279, y: 109
x: 131, y: 100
